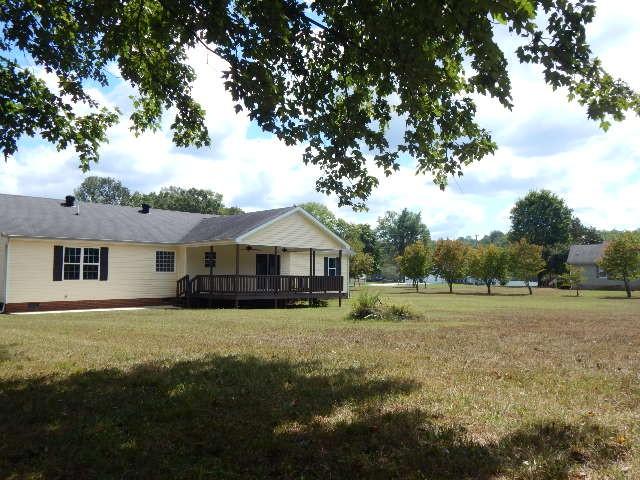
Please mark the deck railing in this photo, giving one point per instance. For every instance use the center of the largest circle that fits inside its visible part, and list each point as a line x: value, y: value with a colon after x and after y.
x: 260, y: 284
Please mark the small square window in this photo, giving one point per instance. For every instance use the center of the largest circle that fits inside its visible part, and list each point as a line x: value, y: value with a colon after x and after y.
x: 90, y: 272
x: 210, y: 259
x: 72, y: 255
x: 91, y: 255
x: 72, y: 271
x: 165, y: 261
x: 601, y: 272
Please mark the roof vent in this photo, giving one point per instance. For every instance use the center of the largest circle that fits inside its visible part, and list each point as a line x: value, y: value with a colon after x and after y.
x: 145, y: 208
x: 69, y: 201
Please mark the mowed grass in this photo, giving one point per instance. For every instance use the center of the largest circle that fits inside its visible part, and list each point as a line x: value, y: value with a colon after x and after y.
x: 507, y: 386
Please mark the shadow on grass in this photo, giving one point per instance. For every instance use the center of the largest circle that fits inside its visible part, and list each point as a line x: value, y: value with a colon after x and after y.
x: 621, y: 298
x: 443, y: 292
x: 243, y: 417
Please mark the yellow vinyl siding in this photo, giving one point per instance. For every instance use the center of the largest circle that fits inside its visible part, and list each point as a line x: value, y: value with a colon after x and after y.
x: 132, y: 273
x: 299, y: 265
x: 294, y: 231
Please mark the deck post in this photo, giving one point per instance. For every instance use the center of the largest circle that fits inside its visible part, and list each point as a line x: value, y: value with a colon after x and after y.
x: 237, y: 277
x: 277, y: 278
x: 340, y: 281
x: 310, y: 273
x: 210, y: 276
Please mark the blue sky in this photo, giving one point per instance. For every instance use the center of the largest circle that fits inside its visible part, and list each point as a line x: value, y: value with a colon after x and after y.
x: 544, y: 142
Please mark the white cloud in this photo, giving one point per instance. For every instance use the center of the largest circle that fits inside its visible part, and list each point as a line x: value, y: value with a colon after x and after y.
x: 545, y: 142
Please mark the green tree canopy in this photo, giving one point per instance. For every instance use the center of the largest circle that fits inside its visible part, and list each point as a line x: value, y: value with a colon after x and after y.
x: 496, y: 237
x: 399, y: 230
x: 112, y: 191
x: 621, y: 259
x: 326, y: 74
x: 450, y: 261
x: 583, y: 235
x: 542, y: 218
x: 526, y: 261
x: 103, y: 190
x: 182, y: 199
x: 489, y: 263
x: 360, y: 264
x: 574, y: 278
x: 415, y: 262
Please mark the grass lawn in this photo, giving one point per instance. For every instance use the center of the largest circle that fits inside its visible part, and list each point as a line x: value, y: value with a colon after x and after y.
x: 508, y: 386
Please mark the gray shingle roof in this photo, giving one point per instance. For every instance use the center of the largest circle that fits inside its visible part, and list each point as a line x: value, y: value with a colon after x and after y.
x: 48, y: 218
x: 585, y: 254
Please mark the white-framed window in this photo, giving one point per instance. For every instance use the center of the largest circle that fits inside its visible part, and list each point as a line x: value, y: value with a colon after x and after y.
x: 91, y: 264
x: 165, y: 261
x: 601, y: 272
x: 210, y: 259
x: 332, y: 267
x: 81, y: 263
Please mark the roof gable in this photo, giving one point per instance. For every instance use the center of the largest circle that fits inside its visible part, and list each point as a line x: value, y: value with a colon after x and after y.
x: 585, y: 254
x: 295, y: 228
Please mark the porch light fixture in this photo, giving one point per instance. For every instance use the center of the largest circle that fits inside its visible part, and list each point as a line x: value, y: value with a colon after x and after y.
x: 249, y: 247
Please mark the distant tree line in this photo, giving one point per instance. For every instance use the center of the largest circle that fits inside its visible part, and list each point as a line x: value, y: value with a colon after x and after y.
x: 111, y: 191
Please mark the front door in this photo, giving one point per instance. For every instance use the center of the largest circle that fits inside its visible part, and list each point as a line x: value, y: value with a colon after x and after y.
x: 267, y: 264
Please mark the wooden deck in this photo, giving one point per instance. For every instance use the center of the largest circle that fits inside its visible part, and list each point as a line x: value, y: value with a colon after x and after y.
x: 259, y: 287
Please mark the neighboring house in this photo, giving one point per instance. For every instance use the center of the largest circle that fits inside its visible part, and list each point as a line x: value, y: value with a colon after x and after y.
x: 595, y: 278
x: 64, y: 254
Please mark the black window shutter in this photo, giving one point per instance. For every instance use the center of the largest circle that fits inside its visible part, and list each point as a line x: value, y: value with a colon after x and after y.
x: 58, y: 253
x: 104, y: 263
x: 326, y: 266
x: 278, y: 265
x: 338, y: 267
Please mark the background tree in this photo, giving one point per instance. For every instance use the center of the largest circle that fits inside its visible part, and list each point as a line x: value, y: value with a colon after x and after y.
x: 526, y: 261
x: 496, y: 237
x: 110, y: 190
x: 325, y: 74
x: 450, y: 261
x: 621, y: 259
x: 182, y: 199
x: 399, y: 230
x: 583, y: 235
x: 103, y: 190
x: 415, y: 262
x: 574, y: 278
x: 542, y: 218
x: 360, y: 264
x: 489, y: 263
x: 322, y: 214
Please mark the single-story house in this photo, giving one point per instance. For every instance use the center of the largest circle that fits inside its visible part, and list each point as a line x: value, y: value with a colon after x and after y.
x: 64, y: 254
x: 595, y: 278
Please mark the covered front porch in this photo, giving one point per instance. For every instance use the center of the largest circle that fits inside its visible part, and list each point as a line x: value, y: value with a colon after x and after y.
x: 235, y: 273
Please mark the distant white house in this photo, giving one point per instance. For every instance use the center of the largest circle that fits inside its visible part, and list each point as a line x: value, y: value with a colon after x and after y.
x: 595, y: 278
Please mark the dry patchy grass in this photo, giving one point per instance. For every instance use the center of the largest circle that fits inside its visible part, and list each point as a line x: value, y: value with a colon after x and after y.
x: 508, y: 386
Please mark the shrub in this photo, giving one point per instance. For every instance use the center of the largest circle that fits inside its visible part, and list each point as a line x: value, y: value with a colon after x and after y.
x: 367, y: 305
x: 371, y: 306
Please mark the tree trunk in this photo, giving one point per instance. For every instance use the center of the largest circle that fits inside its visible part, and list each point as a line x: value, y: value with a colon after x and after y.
x: 417, y: 285
x: 577, y: 292
x: 627, y: 287
x: 489, y: 288
x: 450, y: 287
